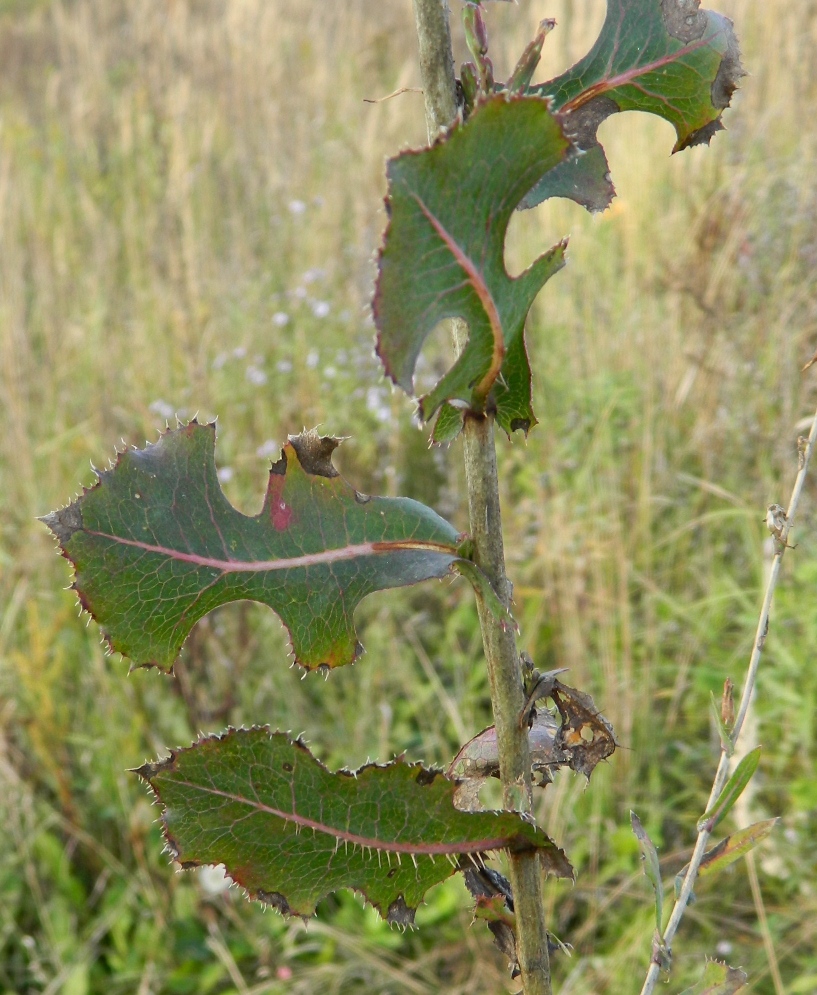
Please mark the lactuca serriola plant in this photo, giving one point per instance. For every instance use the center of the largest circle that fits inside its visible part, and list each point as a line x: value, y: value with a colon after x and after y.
x: 155, y: 544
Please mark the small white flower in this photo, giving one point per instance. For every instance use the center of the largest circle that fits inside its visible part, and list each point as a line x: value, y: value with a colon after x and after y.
x: 161, y: 408
x: 225, y: 474
x: 330, y: 372
x: 312, y: 359
x: 321, y: 309
x: 268, y: 449
x: 283, y: 366
x: 280, y: 318
x: 220, y: 360
x: 256, y: 376
x: 297, y: 207
x: 377, y: 403
x: 240, y: 352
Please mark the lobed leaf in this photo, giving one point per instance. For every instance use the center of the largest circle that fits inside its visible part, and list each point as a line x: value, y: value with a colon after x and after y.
x: 156, y: 546
x: 443, y: 257
x: 665, y: 57
x: 291, y: 832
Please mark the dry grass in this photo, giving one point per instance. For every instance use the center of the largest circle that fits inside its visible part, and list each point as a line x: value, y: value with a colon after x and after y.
x: 173, y: 175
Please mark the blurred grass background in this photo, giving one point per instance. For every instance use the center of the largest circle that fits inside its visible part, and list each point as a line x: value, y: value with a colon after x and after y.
x: 190, y: 196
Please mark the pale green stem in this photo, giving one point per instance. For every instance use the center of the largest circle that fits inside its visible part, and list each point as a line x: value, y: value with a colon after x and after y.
x: 507, y: 693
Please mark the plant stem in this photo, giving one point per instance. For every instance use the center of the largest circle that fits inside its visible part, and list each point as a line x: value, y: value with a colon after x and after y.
x: 722, y: 773
x: 507, y: 693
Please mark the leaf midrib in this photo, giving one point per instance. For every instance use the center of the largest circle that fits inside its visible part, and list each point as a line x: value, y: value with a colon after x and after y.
x: 326, y: 556
x: 344, y: 836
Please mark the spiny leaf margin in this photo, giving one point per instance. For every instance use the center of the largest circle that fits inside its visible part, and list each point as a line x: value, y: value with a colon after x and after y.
x: 449, y: 206
x: 675, y: 60
x: 156, y: 545
x: 290, y: 831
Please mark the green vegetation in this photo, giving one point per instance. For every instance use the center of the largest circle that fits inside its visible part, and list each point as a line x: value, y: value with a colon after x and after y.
x: 186, y: 221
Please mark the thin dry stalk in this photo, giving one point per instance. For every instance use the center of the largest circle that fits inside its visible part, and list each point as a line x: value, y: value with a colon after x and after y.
x: 722, y: 773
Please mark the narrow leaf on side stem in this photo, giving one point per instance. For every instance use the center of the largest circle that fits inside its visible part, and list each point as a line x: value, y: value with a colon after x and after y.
x: 729, y: 850
x: 652, y: 869
x: 727, y: 745
x: 732, y: 791
x: 290, y: 831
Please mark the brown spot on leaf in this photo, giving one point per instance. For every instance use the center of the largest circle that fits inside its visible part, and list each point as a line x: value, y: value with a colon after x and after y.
x: 400, y: 913
x: 315, y: 452
x: 683, y: 20
x: 65, y: 522
x: 276, y: 900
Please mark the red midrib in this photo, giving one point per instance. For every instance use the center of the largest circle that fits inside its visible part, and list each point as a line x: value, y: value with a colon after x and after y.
x: 605, y: 85
x: 344, y: 836
x: 306, y: 560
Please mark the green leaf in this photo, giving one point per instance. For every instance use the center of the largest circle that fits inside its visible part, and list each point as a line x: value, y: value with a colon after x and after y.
x: 443, y: 256
x: 666, y: 57
x: 729, y: 850
x: 156, y: 546
x: 724, y: 734
x: 735, y: 786
x: 718, y: 979
x: 494, y: 909
x: 485, y: 593
x: 652, y: 869
x: 448, y: 425
x: 291, y: 832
